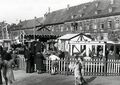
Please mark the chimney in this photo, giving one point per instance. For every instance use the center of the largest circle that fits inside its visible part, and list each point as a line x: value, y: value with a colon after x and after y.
x: 20, y: 21
x: 68, y: 7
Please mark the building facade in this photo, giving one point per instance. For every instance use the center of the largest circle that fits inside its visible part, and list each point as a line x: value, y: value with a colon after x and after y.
x: 100, y: 19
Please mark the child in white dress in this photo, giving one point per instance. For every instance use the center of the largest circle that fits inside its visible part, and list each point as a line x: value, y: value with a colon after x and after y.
x: 78, y: 71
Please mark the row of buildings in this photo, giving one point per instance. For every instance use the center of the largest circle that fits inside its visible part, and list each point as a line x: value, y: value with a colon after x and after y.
x: 100, y: 19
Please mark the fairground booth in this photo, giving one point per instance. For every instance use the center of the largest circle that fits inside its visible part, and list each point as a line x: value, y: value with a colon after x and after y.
x: 86, y: 46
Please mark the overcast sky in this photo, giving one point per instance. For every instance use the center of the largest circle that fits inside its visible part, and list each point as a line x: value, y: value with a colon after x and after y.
x: 12, y: 11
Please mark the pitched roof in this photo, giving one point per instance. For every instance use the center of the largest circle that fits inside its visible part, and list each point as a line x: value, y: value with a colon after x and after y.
x: 26, y: 24
x: 86, y: 9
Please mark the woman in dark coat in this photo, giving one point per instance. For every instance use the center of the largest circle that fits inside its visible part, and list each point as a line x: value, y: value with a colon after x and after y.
x: 39, y: 59
x: 39, y: 62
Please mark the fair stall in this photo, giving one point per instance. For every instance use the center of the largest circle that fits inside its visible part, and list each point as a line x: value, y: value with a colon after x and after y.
x: 65, y: 42
x: 89, y: 48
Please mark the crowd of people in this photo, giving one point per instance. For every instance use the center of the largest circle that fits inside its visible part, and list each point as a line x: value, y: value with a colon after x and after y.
x: 33, y: 53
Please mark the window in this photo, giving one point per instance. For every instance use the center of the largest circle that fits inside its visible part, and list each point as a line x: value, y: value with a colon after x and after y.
x: 94, y: 26
x: 98, y: 12
x: 96, y: 4
x: 102, y: 26
x: 80, y: 25
x: 74, y: 26
x: 117, y: 22
x: 87, y: 25
x: 62, y: 29
x: 67, y: 29
x: 109, y: 24
x: 52, y: 28
x: 110, y: 10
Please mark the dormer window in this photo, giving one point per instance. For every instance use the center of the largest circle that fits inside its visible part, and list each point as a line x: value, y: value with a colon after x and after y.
x: 96, y: 4
x: 111, y: 1
x: 84, y: 7
x: 98, y: 12
x: 80, y: 15
x: 73, y: 16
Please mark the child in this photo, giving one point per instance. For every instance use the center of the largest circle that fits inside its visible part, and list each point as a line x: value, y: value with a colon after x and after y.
x: 78, y: 68
x: 55, y: 65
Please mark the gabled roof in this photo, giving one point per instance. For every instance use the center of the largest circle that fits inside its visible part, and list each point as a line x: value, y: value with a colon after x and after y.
x: 75, y: 36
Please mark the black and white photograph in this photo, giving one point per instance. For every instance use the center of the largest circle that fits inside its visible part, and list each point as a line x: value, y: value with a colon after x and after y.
x: 59, y: 42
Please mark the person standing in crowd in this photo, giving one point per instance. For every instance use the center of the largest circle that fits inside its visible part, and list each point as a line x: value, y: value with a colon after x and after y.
x: 39, y: 59
x: 14, y: 57
x: 27, y: 58
x: 1, y: 63
x: 7, y: 68
x: 32, y: 57
x: 55, y: 65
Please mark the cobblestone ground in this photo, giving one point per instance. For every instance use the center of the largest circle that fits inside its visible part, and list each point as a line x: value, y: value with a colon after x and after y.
x: 47, y: 79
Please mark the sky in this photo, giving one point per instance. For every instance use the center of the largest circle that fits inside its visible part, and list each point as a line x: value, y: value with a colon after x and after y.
x: 12, y: 11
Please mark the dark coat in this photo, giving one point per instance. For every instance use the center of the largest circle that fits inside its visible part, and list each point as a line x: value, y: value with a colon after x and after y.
x: 38, y: 47
x: 7, y: 56
x: 39, y: 61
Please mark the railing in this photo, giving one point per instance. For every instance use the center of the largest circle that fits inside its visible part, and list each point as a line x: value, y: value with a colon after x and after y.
x: 22, y: 63
x: 92, y: 67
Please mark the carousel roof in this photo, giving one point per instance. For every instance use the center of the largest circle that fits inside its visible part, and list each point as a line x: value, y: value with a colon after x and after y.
x: 68, y: 36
